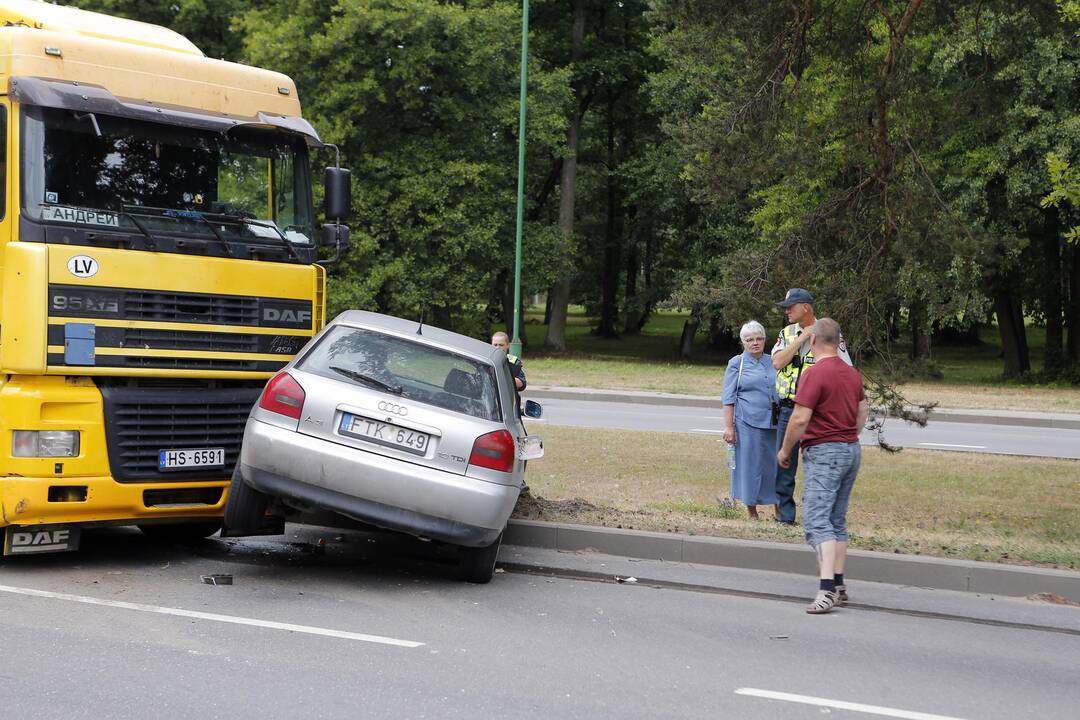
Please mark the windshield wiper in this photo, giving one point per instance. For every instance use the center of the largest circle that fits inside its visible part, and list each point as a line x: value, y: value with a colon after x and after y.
x: 217, y: 233
x: 187, y: 216
x: 368, y: 379
x: 150, y: 242
x: 285, y: 242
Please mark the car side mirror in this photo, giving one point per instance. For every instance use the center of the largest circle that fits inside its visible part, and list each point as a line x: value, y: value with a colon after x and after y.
x: 533, y: 409
x: 337, y: 198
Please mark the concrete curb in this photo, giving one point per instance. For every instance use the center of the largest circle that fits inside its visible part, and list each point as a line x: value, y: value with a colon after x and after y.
x: 912, y: 570
x: 1061, y: 421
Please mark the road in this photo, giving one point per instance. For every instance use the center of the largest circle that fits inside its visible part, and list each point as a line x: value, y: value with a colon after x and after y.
x: 965, y: 437
x: 370, y: 628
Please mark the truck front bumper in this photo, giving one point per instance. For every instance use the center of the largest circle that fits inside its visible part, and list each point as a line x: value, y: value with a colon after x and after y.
x: 102, y: 500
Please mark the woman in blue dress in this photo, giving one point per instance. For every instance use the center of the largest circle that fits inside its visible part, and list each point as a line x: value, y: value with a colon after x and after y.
x: 749, y: 395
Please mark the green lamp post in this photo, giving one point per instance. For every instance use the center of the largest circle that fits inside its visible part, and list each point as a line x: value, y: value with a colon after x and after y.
x: 515, y: 343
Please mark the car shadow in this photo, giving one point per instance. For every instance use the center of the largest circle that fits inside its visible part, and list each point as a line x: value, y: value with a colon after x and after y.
x: 357, y: 555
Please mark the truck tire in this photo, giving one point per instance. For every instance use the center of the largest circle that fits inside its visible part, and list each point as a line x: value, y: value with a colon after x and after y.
x: 477, y: 565
x: 245, y: 507
x: 182, y: 532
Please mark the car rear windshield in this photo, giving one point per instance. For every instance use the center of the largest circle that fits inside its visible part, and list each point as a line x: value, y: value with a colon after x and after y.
x: 407, y: 369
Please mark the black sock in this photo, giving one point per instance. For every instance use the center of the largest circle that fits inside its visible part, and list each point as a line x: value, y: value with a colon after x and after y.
x: 829, y: 585
x: 838, y: 578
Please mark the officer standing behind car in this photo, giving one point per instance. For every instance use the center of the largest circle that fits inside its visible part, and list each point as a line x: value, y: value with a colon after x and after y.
x: 502, y: 341
x: 791, y: 356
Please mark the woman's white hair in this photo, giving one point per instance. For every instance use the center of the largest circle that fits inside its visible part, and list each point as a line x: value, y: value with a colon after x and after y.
x: 751, y: 328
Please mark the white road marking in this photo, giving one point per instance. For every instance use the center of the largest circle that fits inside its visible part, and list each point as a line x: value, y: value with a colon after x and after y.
x: 235, y: 620
x: 709, y: 432
x: 842, y: 705
x: 970, y: 447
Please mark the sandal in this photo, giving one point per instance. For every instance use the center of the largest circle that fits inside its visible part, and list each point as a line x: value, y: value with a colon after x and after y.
x: 841, y: 594
x: 823, y: 603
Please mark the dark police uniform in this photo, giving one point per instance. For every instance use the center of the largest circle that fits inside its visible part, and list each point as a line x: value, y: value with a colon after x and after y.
x: 517, y: 369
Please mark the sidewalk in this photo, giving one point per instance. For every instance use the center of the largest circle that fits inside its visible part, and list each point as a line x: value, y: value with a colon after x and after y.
x: 866, y: 595
x: 797, y: 560
x: 1061, y: 421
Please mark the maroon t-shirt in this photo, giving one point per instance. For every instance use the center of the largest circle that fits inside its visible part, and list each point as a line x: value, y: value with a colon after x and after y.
x: 833, y: 390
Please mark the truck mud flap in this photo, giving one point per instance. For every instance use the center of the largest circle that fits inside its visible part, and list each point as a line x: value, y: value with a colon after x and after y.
x: 34, y: 539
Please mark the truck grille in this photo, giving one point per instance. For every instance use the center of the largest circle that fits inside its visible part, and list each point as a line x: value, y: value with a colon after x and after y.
x: 86, y: 301
x: 189, y: 307
x: 142, y: 418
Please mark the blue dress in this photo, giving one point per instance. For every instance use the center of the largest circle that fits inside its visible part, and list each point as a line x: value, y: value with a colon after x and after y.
x: 753, y: 481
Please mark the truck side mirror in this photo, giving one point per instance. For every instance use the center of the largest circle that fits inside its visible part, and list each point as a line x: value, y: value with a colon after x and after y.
x: 338, y: 194
x: 337, y: 237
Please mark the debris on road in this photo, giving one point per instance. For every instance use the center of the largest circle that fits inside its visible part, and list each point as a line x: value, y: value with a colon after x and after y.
x: 217, y: 579
x: 625, y: 579
x: 1053, y: 598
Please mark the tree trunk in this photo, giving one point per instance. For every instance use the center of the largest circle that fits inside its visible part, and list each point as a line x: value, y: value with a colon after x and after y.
x: 1054, y: 359
x: 920, y: 332
x: 560, y: 291
x: 1013, y: 337
x: 506, y: 295
x: 556, y: 331
x: 690, y: 328
x: 647, y: 274
x: 609, y: 291
x: 1073, y: 315
x: 442, y: 317
x: 632, y: 308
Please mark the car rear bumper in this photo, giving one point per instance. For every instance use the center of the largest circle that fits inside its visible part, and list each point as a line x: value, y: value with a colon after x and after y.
x: 373, y: 488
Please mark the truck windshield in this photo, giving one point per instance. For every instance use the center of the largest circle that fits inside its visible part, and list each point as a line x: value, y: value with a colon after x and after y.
x: 249, y: 185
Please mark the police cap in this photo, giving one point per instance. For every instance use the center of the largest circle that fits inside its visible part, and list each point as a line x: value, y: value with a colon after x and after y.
x: 795, y: 296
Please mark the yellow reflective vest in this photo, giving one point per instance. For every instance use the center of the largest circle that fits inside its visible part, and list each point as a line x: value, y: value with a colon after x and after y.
x: 787, y: 377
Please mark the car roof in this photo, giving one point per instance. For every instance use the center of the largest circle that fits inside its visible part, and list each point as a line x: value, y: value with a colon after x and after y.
x: 428, y: 333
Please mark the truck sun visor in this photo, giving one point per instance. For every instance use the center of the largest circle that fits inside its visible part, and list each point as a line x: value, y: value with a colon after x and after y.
x: 96, y: 99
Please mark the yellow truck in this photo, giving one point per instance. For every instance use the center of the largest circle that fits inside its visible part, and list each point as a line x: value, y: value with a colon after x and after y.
x: 158, y: 252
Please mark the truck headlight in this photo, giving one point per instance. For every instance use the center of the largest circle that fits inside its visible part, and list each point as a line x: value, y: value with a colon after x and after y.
x: 45, y: 443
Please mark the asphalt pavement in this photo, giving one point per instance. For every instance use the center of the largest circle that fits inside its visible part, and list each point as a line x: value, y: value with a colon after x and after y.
x: 1007, y: 436
x: 332, y: 624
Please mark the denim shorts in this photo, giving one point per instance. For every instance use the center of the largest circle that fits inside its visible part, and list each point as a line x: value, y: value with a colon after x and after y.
x: 829, y: 471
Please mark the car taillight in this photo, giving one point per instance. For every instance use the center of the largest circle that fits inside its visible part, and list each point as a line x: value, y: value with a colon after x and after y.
x: 284, y: 396
x: 495, y: 451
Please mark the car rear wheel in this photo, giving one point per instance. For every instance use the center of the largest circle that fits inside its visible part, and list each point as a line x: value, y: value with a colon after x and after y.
x: 478, y: 564
x: 184, y: 532
x: 245, y: 508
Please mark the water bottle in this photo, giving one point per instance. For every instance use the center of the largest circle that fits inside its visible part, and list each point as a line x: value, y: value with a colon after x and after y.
x: 731, y: 456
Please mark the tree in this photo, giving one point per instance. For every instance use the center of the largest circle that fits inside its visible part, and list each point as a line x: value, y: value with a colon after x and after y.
x: 207, y: 23
x: 422, y: 99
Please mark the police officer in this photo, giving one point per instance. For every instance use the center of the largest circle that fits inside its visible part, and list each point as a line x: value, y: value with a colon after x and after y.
x: 791, y: 356
x: 502, y: 341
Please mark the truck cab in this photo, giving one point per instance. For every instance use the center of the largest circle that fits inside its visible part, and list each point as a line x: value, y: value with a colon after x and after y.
x: 157, y: 265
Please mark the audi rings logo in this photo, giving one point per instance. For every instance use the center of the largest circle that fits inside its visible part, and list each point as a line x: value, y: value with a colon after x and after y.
x: 393, y: 408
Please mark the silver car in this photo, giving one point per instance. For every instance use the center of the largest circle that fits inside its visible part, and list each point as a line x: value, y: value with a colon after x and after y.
x: 395, y: 424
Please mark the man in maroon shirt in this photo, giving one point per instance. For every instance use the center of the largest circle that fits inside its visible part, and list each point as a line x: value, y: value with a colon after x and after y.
x: 830, y: 410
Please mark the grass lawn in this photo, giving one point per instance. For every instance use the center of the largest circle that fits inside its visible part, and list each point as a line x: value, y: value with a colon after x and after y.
x: 649, y: 362
x: 960, y: 505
